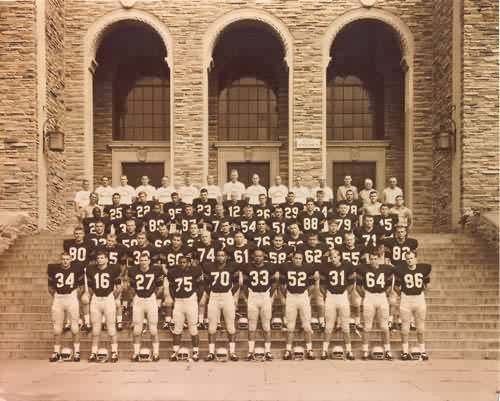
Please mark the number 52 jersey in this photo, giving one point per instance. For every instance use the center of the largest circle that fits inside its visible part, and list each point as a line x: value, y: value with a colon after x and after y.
x: 296, y: 279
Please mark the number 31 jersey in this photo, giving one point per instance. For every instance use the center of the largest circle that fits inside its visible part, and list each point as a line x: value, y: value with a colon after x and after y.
x: 336, y: 279
x: 145, y: 283
x: 184, y: 282
x: 413, y: 282
x: 259, y: 278
x: 296, y: 278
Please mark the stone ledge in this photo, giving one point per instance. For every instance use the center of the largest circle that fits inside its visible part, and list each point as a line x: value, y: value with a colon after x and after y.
x: 488, y: 228
x: 12, y: 226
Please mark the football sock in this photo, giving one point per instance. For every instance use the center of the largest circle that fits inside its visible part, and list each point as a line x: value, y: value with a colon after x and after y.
x: 267, y: 347
x: 422, y: 347
x: 232, y: 347
x: 309, y: 346
x: 94, y: 349
x: 57, y: 348
x: 364, y: 347
x: 103, y: 319
x: 76, y: 347
x: 176, y: 348
x: 325, y: 346
x: 405, y: 348
x: 137, y: 347
x: 125, y: 304
x: 156, y: 348
x: 119, y: 319
x: 322, y: 320
x: 348, y: 348
x: 86, y: 319
x: 387, y: 347
x: 196, y: 349
x: 211, y: 348
x: 251, y: 346
x: 200, y: 317
x: 158, y: 303
x: 114, y: 347
x: 289, y: 347
x: 144, y: 321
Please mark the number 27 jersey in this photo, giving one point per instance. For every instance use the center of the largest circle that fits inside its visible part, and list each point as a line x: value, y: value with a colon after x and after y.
x: 145, y: 283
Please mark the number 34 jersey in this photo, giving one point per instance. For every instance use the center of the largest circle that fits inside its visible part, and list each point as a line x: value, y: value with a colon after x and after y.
x: 297, y: 279
x: 184, y: 282
x: 374, y: 280
x: 103, y: 281
x: 145, y: 283
x: 413, y: 281
x: 64, y: 281
x: 259, y: 278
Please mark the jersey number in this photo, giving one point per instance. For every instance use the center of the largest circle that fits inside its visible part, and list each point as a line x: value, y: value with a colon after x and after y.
x: 70, y: 280
x: 79, y: 254
x: 101, y: 280
x: 371, y: 282
x: 221, y: 277
x: 259, y: 277
x: 416, y: 280
x: 140, y: 279
x: 186, y: 282
x: 334, y: 278
x: 297, y: 279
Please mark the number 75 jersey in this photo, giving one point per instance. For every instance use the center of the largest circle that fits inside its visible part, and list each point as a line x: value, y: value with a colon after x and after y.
x: 145, y: 283
x: 184, y: 282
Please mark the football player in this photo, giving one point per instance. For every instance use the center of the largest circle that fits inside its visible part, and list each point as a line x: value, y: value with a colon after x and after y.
x: 412, y: 280
x: 399, y: 246
x: 99, y: 236
x: 129, y: 237
x: 355, y: 205
x: 160, y: 238
x: 369, y: 235
x: 187, y: 217
x: 291, y: 209
x: 278, y: 223
x: 186, y: 288
x: 294, y: 237
x: 146, y: 284
x: 262, y: 236
x: 405, y: 215
x: 346, y: 221
x: 234, y: 206
x: 333, y: 238
x: 173, y: 208
x: 89, y: 223
x: 65, y: 280
x: 192, y: 236
x: 116, y: 210
x: 263, y: 210
x: 221, y: 283
x: 259, y: 287
x: 297, y: 281
x: 121, y: 224
x: 103, y: 280
x: 141, y: 206
x: 153, y: 219
x: 143, y: 247
x: 225, y: 235
x: 247, y: 223
x: 203, y: 206
x: 213, y: 223
x: 337, y: 281
x: 372, y: 208
x: 374, y: 284
x: 310, y: 219
x: 387, y: 221
x: 321, y: 205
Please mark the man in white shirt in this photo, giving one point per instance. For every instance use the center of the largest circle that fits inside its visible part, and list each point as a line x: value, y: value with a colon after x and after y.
x: 82, y: 197
x: 364, y: 194
x: 278, y: 191
x: 343, y: 188
x: 105, y: 192
x: 405, y: 215
x: 188, y: 191
x: 164, y: 192
x: 301, y: 192
x: 233, y: 185
x: 146, y: 187
x: 127, y: 192
x: 327, y: 191
x: 253, y: 191
x: 390, y: 193
x: 214, y: 191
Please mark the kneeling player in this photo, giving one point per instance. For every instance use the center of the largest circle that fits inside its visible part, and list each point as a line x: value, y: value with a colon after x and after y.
x: 146, y: 283
x: 103, y: 280
x: 412, y: 279
x: 186, y: 287
x: 374, y: 284
x: 221, y: 282
x: 258, y: 279
x: 337, y: 279
x: 296, y: 285
x: 63, y: 281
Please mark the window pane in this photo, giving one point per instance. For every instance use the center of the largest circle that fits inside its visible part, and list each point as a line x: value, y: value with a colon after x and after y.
x: 253, y: 107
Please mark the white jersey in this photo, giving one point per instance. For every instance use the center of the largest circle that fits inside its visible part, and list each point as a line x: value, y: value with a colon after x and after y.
x: 127, y: 193
x: 105, y: 195
x: 253, y: 192
x: 188, y: 194
x: 342, y: 190
x: 278, y: 193
x: 230, y: 187
x: 163, y: 194
x: 149, y: 189
x: 389, y: 194
x: 326, y: 190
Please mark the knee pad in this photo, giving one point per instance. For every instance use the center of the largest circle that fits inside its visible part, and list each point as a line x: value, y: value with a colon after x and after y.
x: 74, y: 327
x: 307, y: 327
x: 153, y: 329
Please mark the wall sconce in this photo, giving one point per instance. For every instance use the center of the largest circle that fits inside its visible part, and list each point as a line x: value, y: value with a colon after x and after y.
x: 53, y: 139
x: 446, y: 138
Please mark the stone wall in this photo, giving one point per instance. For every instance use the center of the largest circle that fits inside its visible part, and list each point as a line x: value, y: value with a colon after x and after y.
x: 480, y: 166
x: 103, y: 127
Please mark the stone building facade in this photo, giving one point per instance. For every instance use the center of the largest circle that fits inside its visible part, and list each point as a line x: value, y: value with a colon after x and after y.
x: 261, y: 84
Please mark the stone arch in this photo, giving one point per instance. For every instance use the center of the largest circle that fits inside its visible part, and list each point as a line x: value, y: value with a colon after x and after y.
x: 209, y: 41
x: 92, y: 40
x: 407, y: 62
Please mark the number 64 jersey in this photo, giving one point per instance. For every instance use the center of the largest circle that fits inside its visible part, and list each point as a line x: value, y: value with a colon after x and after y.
x: 374, y: 280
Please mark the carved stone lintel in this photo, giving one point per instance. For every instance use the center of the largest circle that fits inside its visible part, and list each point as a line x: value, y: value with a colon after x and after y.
x: 367, y: 3
x: 142, y: 155
x: 127, y: 3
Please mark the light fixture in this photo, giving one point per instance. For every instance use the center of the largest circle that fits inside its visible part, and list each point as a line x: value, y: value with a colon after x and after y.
x: 446, y: 137
x: 53, y: 138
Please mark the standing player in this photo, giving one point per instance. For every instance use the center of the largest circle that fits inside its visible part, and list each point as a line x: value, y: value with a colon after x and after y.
x: 412, y: 279
x: 262, y: 236
x: 263, y: 210
x: 248, y: 222
x: 129, y: 237
x: 103, y: 280
x: 323, y: 206
x: 186, y: 288
x: 153, y: 219
x: 164, y: 191
x: 387, y: 221
x: 291, y: 208
x: 213, y: 223
x: 369, y: 235
x: 99, y: 236
x: 142, y: 206
x: 221, y: 283
x: 188, y: 191
x: 225, y: 235
x: 186, y: 218
x: 355, y: 206
x: 234, y: 206
x: 333, y: 238
x: 405, y: 215
x: 204, y: 206
x: 296, y: 280
x: 64, y: 281
x: 347, y: 222
x: 374, y: 282
x: 372, y: 208
x: 258, y: 283
x: 192, y: 236
x: 311, y: 220
x: 294, y: 237
x: 233, y: 186
x: 399, y: 246
x: 116, y: 210
x: 174, y: 208
x: 253, y: 192
x: 337, y: 281
x: 146, y: 284
x: 278, y: 222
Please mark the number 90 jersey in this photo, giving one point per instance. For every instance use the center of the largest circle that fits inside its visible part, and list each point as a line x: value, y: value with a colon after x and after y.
x: 64, y: 281
x: 412, y: 282
x: 375, y: 280
x: 336, y: 279
x: 145, y: 283
x: 297, y: 279
x: 184, y: 282
x: 103, y: 282
x: 220, y: 280
x: 259, y: 278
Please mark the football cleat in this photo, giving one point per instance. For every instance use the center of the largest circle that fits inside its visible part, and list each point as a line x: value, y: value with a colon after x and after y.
x: 119, y: 326
x: 243, y: 323
x: 405, y: 356
x: 165, y: 325
x: 86, y: 328
x: 287, y: 355
x: 145, y: 354
x: 324, y: 356
x: 310, y: 355
x: 233, y: 357
x: 67, y: 327
x: 195, y: 356
x: 102, y: 355
x: 114, y: 357
x: 76, y: 357
x: 315, y: 324
x: 424, y: 356
x: 173, y: 357
x: 413, y: 327
x: 268, y: 356
x: 250, y: 357
x: 104, y: 327
x: 210, y: 357
x: 55, y: 357
x: 135, y: 358
x: 377, y: 353
x: 388, y: 355
x: 93, y: 357
x: 349, y: 356
x: 156, y: 358
x: 67, y: 354
x: 276, y: 323
x: 366, y: 356
x: 201, y: 326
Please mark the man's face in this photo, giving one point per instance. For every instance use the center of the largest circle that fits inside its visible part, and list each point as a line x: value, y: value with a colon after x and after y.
x: 105, y: 181
x: 262, y: 200
x: 401, y: 232
x: 101, y: 260
x: 85, y: 185
x: 234, y: 176
x: 220, y: 257
x: 255, y: 179
x: 335, y: 256
x: 347, y: 180
x: 349, y: 195
x: 310, y: 206
x: 290, y: 198
x: 320, y: 196
x: 277, y: 180
x: 205, y: 237
x: 278, y: 242
x: 144, y: 262
x: 399, y: 201
x: 175, y: 198
x: 123, y: 180
x: 322, y: 182
x: 93, y: 198
x: 210, y: 180
x: 298, y: 181
x: 79, y: 235
x: 65, y: 260
x: 162, y: 229
x: 157, y: 208
x: 116, y: 200
x: 333, y: 226
x: 297, y: 259
x: 189, y: 210
x: 258, y: 257
x: 142, y: 197
x: 368, y: 184
x: 99, y: 228
x: 384, y: 211
x: 141, y: 239
x: 234, y: 196
x: 344, y: 209
x: 411, y: 259
x: 373, y: 197
x: 130, y: 226
x: 225, y: 227
x: 193, y: 230
x: 294, y: 229
x: 248, y: 212
x: 349, y: 240
x: 374, y: 260
x: 393, y: 182
x: 261, y: 226
x: 183, y: 262
x: 239, y: 239
x: 187, y: 180
x: 176, y: 242
x: 219, y: 209
x: 368, y: 221
x: 278, y: 212
x: 204, y: 196
x: 164, y: 182
x: 111, y: 240
x: 144, y: 180
x: 312, y: 240
x: 96, y: 212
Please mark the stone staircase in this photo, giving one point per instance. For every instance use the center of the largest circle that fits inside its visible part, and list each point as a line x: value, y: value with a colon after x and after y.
x: 462, y: 319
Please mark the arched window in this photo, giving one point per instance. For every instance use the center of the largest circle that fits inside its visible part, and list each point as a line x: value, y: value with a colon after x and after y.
x: 353, y: 109
x: 247, y: 110
x: 142, y: 103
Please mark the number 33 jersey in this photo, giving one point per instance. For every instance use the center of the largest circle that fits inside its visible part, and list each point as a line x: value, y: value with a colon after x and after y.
x: 375, y: 280
x: 259, y: 278
x: 145, y: 283
x: 103, y: 282
x: 184, y: 282
x: 413, y: 281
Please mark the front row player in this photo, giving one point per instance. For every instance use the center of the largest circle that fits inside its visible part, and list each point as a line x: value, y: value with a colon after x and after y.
x: 146, y: 284
x: 65, y: 281
x: 412, y: 279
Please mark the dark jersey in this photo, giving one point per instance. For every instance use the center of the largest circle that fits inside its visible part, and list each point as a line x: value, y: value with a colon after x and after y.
x: 278, y: 256
x: 234, y: 209
x: 90, y: 222
x: 387, y: 223
x: 215, y: 221
x: 355, y: 207
x: 259, y: 278
x: 332, y: 240
x: 79, y: 252
x: 97, y: 240
x: 291, y: 210
x: 224, y: 239
x: 314, y: 255
x: 262, y: 239
x: 184, y: 282
x: 246, y: 224
x: 220, y: 280
x: 369, y: 239
x: 294, y: 242
x: 241, y: 255
x: 296, y: 279
x: 412, y: 282
x: 184, y: 221
x: 346, y: 223
x: 336, y: 279
x: 115, y: 213
x: 173, y: 209
x: 263, y: 212
x: 65, y: 281
x: 279, y: 226
x: 374, y: 280
x: 121, y: 225
x: 116, y: 254
x: 128, y: 239
x: 324, y: 208
x: 171, y: 256
x: 158, y: 240
x: 141, y: 209
x: 311, y: 223
x: 205, y: 253
x: 145, y: 283
x: 153, y: 220
x: 103, y: 282
x: 204, y: 209
x: 189, y: 240
x: 396, y: 251
x: 352, y: 255
x: 135, y: 252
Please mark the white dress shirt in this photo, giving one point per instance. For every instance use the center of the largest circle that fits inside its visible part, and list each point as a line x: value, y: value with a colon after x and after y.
x: 278, y: 193
x: 301, y: 193
x: 105, y: 195
x: 214, y: 192
x: 127, y: 193
x: 389, y: 194
x: 82, y: 198
x: 149, y: 189
x: 230, y: 187
x: 253, y: 192
x: 163, y: 194
x: 188, y: 194
x: 326, y: 190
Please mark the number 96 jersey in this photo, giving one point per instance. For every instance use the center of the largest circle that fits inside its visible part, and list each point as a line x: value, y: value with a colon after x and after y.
x: 412, y: 282
x: 375, y: 280
x: 145, y: 283
x: 184, y: 282
x: 259, y: 278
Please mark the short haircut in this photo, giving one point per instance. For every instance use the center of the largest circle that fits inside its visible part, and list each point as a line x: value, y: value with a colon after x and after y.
x: 101, y: 253
x: 373, y: 192
x: 116, y: 194
x: 203, y: 191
